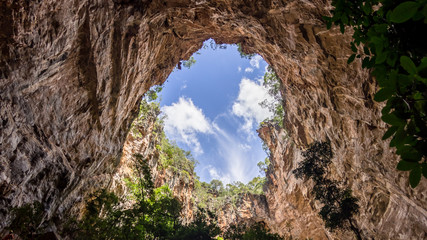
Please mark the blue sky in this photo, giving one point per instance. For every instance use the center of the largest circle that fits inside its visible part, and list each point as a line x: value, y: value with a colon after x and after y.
x: 213, y: 110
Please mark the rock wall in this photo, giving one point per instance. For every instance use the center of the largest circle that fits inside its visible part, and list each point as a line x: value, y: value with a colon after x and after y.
x: 72, y: 74
x: 145, y: 135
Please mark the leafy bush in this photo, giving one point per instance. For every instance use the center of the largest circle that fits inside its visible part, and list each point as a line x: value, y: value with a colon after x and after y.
x: 26, y: 221
x: 204, y: 227
x: 387, y: 37
x: 172, y: 155
x: 250, y: 232
x: 272, y: 83
x: 154, y: 214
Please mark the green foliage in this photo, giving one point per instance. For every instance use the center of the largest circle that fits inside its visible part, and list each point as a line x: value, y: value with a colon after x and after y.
x: 339, y: 206
x: 242, y: 53
x: 188, y: 63
x: 263, y: 165
x: 256, y: 185
x: 272, y: 83
x: 144, y: 182
x: 154, y: 214
x: 214, y: 195
x: 389, y: 34
x: 200, y: 228
x: 149, y: 109
x: 27, y: 219
x: 250, y: 232
x: 173, y: 156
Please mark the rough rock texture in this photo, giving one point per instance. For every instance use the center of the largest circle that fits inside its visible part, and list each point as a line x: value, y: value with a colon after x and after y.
x: 248, y: 209
x: 145, y: 144
x: 72, y: 74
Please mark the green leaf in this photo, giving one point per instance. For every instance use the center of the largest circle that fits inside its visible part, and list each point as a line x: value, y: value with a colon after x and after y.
x: 397, y: 140
x: 383, y: 94
x: 390, y: 132
x: 423, y: 64
x: 403, y: 12
x: 328, y: 21
x: 379, y: 44
x: 365, y: 62
x: 344, y: 19
x: 406, y: 166
x: 415, y: 176
x: 386, y: 109
x: 408, y: 153
x: 351, y: 58
x: 366, y: 50
x: 381, y: 57
x: 405, y: 81
x: 408, y: 65
x: 392, y: 58
x: 381, y: 28
x: 367, y: 9
x: 380, y: 73
x: 353, y: 47
x: 412, y: 156
x: 392, y: 119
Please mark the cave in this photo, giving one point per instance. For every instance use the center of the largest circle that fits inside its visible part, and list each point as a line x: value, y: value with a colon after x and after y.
x: 73, y: 72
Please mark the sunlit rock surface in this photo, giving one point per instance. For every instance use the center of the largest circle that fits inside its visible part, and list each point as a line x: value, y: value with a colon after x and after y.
x: 144, y: 139
x: 72, y: 74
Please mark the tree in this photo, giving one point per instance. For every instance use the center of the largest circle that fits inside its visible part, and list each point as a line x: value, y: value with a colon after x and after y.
x: 154, y: 213
x: 272, y: 84
x: 387, y: 37
x: 217, y: 186
x: 242, y: 53
x: 190, y: 62
x: 339, y: 206
x: 263, y: 165
x: 204, y: 227
x: 254, y: 231
x: 26, y: 220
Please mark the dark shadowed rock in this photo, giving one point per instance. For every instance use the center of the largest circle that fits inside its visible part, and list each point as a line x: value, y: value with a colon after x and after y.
x: 72, y: 74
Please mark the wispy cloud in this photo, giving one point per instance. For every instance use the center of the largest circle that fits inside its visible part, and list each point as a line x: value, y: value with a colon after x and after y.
x: 239, y: 165
x: 247, y: 104
x: 184, y: 121
x: 248, y: 69
x: 239, y: 69
x: 214, y: 173
x: 254, y: 62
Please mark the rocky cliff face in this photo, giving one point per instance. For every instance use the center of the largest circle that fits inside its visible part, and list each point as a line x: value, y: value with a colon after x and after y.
x: 143, y: 139
x: 72, y: 74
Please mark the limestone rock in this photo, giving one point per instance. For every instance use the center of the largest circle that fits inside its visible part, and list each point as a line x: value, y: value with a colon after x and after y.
x: 72, y: 74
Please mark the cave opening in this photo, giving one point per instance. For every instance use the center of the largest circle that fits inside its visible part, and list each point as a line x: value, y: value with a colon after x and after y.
x: 208, y: 111
x: 74, y: 78
x: 198, y: 132
x: 213, y: 106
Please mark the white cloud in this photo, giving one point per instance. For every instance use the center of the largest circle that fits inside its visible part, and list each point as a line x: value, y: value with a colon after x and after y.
x: 255, y: 61
x: 245, y: 146
x: 238, y: 157
x: 239, y: 69
x: 247, y: 104
x: 248, y: 69
x: 215, y: 174
x: 184, y: 121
